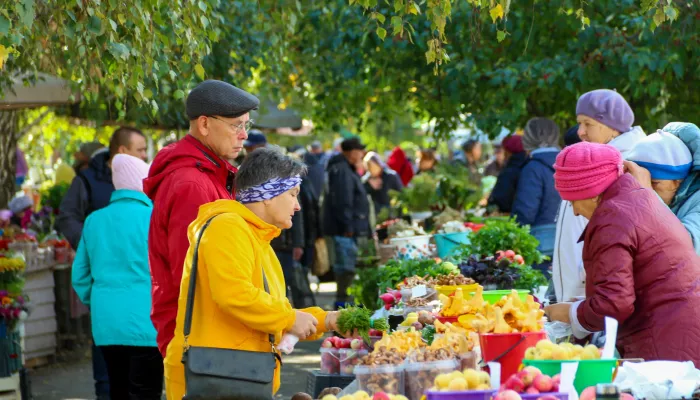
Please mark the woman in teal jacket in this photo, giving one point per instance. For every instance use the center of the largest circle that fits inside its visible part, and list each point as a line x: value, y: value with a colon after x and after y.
x: 112, y: 277
x: 672, y: 157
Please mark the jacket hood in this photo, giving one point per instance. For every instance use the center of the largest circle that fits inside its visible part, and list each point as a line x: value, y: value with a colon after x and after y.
x: 546, y: 154
x: 264, y: 231
x: 690, y: 135
x: 517, y: 159
x: 100, y: 164
x: 397, y: 158
x: 625, y: 142
x: 186, y: 153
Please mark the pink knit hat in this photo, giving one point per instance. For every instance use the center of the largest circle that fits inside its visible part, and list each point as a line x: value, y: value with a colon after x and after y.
x: 128, y: 172
x: 585, y: 170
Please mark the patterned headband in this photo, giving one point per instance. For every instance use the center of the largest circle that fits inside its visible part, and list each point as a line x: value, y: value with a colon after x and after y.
x: 267, y: 190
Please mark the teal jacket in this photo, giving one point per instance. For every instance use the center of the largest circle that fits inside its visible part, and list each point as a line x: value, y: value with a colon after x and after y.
x: 686, y: 203
x: 111, y: 274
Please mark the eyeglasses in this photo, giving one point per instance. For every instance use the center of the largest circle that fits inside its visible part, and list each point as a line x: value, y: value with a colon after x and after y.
x: 242, y: 126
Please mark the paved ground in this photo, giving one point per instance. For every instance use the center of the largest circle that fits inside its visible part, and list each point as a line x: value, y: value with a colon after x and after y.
x: 73, y: 379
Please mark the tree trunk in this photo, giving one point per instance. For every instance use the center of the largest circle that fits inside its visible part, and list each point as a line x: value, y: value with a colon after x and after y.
x: 8, y: 155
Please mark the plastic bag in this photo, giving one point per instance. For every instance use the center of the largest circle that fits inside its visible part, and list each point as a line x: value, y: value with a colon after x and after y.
x: 287, y: 343
x: 659, y: 379
x: 558, y: 332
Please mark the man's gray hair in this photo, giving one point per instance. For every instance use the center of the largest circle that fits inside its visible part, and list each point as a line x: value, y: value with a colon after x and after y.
x: 540, y: 132
x: 264, y: 164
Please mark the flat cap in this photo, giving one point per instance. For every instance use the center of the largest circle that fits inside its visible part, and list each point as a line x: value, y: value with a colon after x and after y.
x: 214, y: 97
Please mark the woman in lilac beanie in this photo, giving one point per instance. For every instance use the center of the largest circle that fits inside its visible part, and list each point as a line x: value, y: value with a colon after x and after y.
x: 641, y: 268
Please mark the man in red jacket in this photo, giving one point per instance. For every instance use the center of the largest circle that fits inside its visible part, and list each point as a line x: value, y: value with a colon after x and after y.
x: 185, y: 175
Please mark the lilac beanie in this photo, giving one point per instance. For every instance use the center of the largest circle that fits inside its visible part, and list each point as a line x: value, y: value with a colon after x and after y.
x: 585, y: 170
x: 128, y: 172
x: 607, y: 107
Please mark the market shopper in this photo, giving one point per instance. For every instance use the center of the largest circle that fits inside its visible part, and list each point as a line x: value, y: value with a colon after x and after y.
x: 91, y: 190
x: 496, y: 165
x: 185, y: 175
x: 503, y: 192
x: 379, y: 180
x: 640, y: 263
x: 111, y: 276
x: 346, y: 213
x: 314, y: 160
x: 427, y: 161
x: 603, y: 117
x: 232, y: 308
x: 472, y: 153
x: 672, y: 158
x: 536, y: 200
x: 399, y: 162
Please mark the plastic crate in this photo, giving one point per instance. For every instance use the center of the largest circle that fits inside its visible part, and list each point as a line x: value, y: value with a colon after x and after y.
x: 316, y: 382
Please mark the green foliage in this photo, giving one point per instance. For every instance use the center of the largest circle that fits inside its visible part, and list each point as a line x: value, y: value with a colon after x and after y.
x: 53, y: 195
x: 530, y: 278
x: 371, y: 281
x: 455, y: 188
x: 504, y: 235
x: 420, y: 196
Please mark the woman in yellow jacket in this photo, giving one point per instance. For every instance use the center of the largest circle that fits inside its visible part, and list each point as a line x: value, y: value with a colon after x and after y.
x: 232, y: 310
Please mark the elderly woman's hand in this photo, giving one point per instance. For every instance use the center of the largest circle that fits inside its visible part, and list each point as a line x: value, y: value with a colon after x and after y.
x: 558, y: 312
x: 639, y: 173
x: 304, y: 325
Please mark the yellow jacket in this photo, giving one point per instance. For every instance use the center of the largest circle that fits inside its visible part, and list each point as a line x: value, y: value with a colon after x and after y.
x: 231, y: 308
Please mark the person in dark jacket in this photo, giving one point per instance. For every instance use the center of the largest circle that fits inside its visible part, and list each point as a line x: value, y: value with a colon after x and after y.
x: 314, y: 160
x: 91, y: 190
x: 503, y: 192
x: 379, y: 180
x: 496, y: 165
x: 289, y: 248
x: 641, y: 267
x: 536, y: 200
x: 346, y: 212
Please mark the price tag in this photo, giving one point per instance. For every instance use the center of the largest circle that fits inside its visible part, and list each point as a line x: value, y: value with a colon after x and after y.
x: 418, y: 291
x: 568, y: 374
x: 495, y: 372
x: 610, y: 337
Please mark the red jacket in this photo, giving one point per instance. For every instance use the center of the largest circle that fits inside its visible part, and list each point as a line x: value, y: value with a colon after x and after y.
x: 184, y: 176
x: 399, y: 163
x: 641, y: 269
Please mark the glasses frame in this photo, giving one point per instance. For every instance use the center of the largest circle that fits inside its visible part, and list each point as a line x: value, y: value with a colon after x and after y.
x: 246, y: 126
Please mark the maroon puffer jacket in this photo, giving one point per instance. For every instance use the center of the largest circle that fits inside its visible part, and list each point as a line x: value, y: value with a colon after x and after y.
x: 642, y: 270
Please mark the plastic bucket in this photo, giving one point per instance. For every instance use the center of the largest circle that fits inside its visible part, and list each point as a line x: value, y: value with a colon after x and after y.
x: 589, y: 372
x: 508, y: 349
x: 447, y: 243
x: 412, y: 247
x: 467, y: 290
x: 465, y: 395
x: 493, y: 296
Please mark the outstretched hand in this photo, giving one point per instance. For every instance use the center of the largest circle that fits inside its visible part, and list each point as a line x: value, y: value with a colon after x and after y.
x: 639, y: 173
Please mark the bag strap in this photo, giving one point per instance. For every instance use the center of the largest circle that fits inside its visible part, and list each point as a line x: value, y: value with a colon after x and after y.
x: 193, y: 284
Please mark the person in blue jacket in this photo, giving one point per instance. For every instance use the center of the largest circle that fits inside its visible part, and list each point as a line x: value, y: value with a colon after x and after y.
x: 672, y: 158
x: 503, y: 192
x: 112, y: 277
x: 536, y: 200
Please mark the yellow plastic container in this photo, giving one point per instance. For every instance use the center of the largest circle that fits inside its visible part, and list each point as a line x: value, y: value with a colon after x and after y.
x: 467, y: 290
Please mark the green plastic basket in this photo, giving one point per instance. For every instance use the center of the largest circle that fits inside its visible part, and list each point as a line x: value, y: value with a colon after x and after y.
x: 493, y: 296
x: 589, y: 372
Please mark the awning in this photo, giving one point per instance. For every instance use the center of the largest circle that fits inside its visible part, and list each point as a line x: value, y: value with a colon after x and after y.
x: 46, y: 91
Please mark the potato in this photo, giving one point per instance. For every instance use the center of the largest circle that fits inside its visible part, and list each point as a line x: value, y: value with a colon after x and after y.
x: 302, y: 396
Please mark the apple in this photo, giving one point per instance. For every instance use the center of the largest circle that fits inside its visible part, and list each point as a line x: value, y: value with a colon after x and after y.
x: 381, y: 396
x: 356, y: 344
x: 510, y: 254
x: 516, y: 384
x: 548, y: 397
x: 528, y: 374
x: 543, y: 383
x: 417, y: 326
x: 532, y: 390
x: 588, y: 393
x: 626, y: 396
x: 327, y: 343
x: 519, y: 259
x: 508, y: 395
x: 346, y: 343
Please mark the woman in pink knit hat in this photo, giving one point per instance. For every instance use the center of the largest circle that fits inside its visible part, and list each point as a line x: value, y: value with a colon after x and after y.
x: 641, y: 268
x: 111, y: 276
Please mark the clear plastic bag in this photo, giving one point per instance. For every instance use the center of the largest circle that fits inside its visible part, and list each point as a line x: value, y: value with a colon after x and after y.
x: 558, y: 332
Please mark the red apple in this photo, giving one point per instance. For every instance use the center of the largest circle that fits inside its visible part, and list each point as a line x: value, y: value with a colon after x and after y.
x: 532, y: 390
x: 528, y: 374
x: 519, y: 259
x: 508, y: 395
x: 327, y: 343
x: 588, y: 393
x: 516, y: 384
x: 510, y: 254
x: 543, y: 383
x: 380, y: 396
x: 548, y: 397
x: 626, y: 396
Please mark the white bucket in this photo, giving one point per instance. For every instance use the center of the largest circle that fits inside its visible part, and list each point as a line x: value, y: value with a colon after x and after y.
x: 412, y: 247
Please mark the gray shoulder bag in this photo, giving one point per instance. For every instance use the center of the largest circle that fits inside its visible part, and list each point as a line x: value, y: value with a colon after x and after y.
x: 224, y: 374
